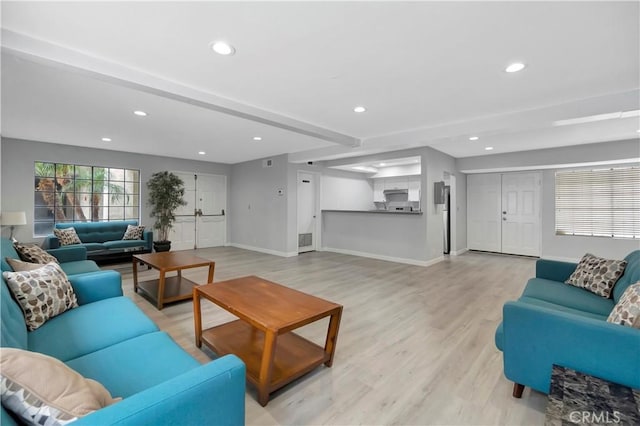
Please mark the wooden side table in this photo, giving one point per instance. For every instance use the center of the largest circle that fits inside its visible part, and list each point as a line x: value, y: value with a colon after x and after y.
x: 169, y: 289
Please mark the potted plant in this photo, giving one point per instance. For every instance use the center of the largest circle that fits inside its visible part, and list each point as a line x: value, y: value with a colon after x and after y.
x: 166, y: 192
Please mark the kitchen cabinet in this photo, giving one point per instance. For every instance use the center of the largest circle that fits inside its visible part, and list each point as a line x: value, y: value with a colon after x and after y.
x: 401, y: 182
x: 378, y: 188
x: 414, y: 188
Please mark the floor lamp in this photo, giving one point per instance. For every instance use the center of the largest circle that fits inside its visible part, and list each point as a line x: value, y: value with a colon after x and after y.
x: 13, y: 219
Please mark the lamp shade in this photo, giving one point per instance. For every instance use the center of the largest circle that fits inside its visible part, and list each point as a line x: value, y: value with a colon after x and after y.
x: 13, y: 218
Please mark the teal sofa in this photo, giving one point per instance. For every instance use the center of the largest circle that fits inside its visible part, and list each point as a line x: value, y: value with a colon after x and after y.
x: 556, y: 323
x: 102, y: 236
x: 109, y: 339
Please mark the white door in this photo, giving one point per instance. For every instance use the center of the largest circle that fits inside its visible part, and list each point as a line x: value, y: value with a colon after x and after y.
x: 521, y: 213
x: 306, y: 212
x: 202, y: 221
x: 484, y: 230
x: 503, y: 213
x: 211, y: 205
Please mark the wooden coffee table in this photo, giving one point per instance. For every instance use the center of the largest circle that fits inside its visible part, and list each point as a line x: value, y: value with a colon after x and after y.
x: 169, y: 289
x: 263, y: 336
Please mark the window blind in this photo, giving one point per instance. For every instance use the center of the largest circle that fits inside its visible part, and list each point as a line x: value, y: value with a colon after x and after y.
x: 601, y: 203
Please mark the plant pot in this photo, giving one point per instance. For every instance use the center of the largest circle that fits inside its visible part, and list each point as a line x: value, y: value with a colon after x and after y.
x: 162, y: 246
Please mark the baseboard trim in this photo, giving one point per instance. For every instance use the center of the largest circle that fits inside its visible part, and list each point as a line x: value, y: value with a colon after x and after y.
x: 387, y: 258
x: 264, y: 250
x: 561, y: 259
x: 459, y: 252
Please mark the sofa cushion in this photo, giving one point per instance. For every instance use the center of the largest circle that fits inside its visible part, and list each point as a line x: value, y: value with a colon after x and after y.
x: 94, y: 246
x: 43, y: 390
x: 89, y: 328
x: 124, y: 244
x: 42, y: 293
x: 136, y: 364
x: 34, y: 254
x: 596, y: 274
x: 133, y: 232
x: 627, y: 310
x: 631, y: 275
x: 67, y: 237
x: 79, y: 267
x: 562, y: 308
x: 7, y: 250
x: 13, y: 332
x: 566, y: 295
x: 99, y: 232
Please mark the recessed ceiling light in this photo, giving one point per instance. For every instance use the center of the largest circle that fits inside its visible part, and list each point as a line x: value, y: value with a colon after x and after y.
x: 201, y: 152
x: 383, y: 164
x: 488, y: 148
x: 140, y: 113
x: 474, y: 138
x: 223, y: 48
x: 106, y: 139
x: 359, y: 109
x: 515, y: 67
x: 257, y: 138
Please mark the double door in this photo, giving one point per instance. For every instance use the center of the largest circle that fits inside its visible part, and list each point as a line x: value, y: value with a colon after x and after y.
x: 202, y: 221
x: 503, y: 212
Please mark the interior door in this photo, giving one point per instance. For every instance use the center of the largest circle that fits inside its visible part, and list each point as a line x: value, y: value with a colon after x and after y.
x: 484, y: 198
x: 183, y: 233
x: 211, y: 207
x: 306, y: 212
x: 521, y: 213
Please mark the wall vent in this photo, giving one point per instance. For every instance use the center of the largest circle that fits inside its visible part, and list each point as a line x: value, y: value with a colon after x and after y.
x: 267, y: 163
x: 305, y: 240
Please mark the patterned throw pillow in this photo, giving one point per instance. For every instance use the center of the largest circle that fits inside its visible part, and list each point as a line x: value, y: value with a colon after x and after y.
x: 133, y: 232
x: 33, y: 254
x: 42, y: 390
x: 627, y: 310
x: 19, y: 265
x: 596, y: 274
x: 67, y: 236
x: 42, y: 293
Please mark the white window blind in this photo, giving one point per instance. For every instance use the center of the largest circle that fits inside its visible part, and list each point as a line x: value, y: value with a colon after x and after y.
x: 602, y: 203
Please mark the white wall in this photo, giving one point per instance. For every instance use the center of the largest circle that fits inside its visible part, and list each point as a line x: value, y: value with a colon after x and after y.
x: 345, y: 191
x: 258, y: 214
x: 406, y: 170
x: 565, y: 247
x: 18, y: 157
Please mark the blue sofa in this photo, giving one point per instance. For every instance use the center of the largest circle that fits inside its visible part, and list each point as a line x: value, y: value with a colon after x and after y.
x: 109, y: 339
x: 102, y: 236
x: 557, y: 323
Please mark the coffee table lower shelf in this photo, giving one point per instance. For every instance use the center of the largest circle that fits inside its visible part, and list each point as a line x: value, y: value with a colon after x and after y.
x: 175, y: 289
x: 294, y: 355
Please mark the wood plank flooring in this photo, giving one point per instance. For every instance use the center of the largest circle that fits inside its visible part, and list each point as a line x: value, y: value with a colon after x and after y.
x: 415, y: 344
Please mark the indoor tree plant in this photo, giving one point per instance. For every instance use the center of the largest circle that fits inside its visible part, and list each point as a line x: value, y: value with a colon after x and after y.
x: 166, y: 192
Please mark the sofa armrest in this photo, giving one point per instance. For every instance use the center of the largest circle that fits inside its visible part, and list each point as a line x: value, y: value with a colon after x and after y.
x: 94, y: 286
x: 213, y: 393
x: 148, y: 239
x: 536, y: 337
x: 69, y: 253
x: 51, y: 242
x: 554, y: 270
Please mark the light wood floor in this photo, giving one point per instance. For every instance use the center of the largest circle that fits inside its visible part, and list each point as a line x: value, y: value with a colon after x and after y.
x: 415, y: 344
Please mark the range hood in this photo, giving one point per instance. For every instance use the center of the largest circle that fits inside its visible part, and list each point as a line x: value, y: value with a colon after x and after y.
x: 395, y: 191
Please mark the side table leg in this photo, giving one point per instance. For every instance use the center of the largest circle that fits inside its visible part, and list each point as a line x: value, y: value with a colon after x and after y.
x: 266, y: 367
x: 332, y: 336
x: 197, y: 317
x: 135, y: 275
x: 161, y: 290
x: 212, y: 266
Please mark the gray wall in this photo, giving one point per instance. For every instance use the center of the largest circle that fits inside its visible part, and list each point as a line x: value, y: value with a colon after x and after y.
x: 554, y: 246
x: 258, y: 215
x: 18, y: 157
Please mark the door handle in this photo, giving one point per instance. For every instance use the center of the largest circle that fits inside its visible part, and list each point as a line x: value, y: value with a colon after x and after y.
x: 504, y: 218
x: 504, y: 212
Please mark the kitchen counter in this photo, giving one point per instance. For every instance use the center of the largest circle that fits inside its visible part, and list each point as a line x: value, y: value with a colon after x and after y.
x: 376, y: 211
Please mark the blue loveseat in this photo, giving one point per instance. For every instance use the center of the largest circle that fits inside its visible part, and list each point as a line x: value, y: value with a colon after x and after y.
x: 557, y: 323
x: 109, y: 339
x: 102, y: 236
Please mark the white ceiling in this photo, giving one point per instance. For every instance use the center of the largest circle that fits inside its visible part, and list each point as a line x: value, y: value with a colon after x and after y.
x: 429, y: 73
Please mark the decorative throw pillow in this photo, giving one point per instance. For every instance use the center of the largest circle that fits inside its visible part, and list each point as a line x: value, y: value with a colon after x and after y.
x: 596, y: 274
x: 627, y: 310
x: 42, y: 390
x: 42, y: 293
x: 19, y: 265
x: 133, y: 232
x: 67, y: 236
x: 34, y: 254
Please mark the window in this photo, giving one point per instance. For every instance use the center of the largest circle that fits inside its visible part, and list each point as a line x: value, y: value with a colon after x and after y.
x: 74, y: 193
x: 599, y: 203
